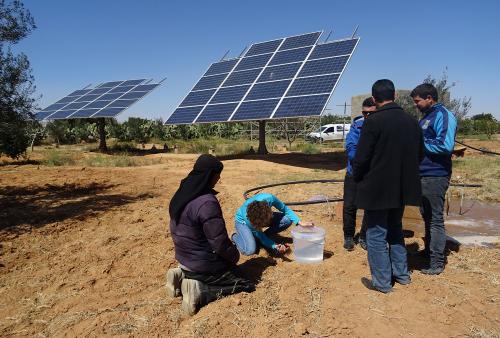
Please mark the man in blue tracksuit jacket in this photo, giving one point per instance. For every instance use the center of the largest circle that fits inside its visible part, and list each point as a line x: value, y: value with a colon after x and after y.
x: 439, y: 127
x: 349, y: 209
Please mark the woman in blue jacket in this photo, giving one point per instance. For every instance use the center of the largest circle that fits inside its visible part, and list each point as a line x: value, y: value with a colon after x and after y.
x: 255, y: 215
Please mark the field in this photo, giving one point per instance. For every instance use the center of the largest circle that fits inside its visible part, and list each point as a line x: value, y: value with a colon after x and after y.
x: 85, y: 246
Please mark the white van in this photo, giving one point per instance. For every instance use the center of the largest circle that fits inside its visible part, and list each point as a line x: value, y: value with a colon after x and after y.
x: 330, y: 132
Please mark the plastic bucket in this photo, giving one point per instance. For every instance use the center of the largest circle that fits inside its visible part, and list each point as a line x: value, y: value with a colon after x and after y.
x: 308, y: 244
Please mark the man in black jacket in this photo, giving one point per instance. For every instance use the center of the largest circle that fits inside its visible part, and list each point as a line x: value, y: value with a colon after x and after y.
x: 386, y: 169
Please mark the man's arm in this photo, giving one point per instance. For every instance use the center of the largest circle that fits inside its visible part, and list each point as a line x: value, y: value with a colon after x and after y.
x: 445, y: 126
x: 365, y: 149
x: 351, y: 141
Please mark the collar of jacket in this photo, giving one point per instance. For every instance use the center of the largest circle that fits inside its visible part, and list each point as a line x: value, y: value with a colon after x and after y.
x: 387, y: 106
x: 434, y: 109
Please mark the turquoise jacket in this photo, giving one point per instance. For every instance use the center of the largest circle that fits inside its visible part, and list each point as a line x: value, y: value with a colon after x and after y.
x: 272, y: 201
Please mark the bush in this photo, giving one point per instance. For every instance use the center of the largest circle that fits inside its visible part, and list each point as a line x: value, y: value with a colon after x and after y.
x: 309, y: 148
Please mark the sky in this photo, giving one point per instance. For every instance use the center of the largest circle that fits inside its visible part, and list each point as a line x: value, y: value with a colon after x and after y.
x: 77, y: 43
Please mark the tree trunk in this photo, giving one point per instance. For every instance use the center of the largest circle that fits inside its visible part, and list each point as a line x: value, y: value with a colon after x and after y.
x: 101, y: 124
x: 262, y: 138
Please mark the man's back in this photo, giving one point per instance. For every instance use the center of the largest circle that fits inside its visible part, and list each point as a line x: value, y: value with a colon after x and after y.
x: 387, y: 160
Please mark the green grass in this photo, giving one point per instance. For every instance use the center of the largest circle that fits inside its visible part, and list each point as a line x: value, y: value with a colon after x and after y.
x: 483, y: 170
x: 56, y: 157
x: 309, y: 148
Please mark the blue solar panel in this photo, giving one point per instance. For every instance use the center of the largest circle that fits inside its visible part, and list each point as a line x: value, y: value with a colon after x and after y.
x: 102, y: 101
x: 109, y: 112
x: 217, y: 112
x: 324, y: 66
x: 76, y: 105
x: 132, y: 82
x: 62, y: 114
x: 293, y: 70
x: 301, y: 106
x: 55, y: 106
x: 243, y: 77
x: 43, y: 114
x: 98, y: 104
x: 300, y: 41
x: 110, y: 97
x: 121, y: 104
x: 252, y: 110
x: 313, y: 85
x: 268, y: 90
x: 99, y: 91
x: 197, y: 98
x: 84, y: 113
x: 221, y: 67
x: 133, y: 95
x: 333, y: 49
x: 208, y: 82
x: 230, y: 94
x: 264, y: 47
x: 120, y: 89
x: 290, y: 56
x: 253, y: 62
x: 184, y: 115
x: 279, y: 72
x: 89, y: 98
x: 110, y: 84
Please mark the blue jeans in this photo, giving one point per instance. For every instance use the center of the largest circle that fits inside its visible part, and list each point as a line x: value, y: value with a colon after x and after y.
x: 244, y: 239
x: 433, y: 195
x: 386, y: 248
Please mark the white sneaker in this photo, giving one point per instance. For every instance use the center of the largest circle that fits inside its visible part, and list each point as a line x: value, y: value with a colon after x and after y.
x: 191, y: 295
x: 174, y: 280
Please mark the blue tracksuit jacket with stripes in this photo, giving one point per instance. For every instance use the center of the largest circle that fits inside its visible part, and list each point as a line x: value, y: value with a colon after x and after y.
x: 439, y: 127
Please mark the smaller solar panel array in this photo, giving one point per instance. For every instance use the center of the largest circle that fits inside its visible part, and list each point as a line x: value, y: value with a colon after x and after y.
x: 287, y: 77
x: 106, y: 100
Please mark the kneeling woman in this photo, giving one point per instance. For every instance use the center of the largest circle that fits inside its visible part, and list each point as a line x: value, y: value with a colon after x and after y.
x: 254, y: 215
x: 206, y: 256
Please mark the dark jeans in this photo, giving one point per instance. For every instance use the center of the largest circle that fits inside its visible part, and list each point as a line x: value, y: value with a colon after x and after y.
x: 220, y: 285
x: 349, y: 209
x: 433, y: 195
x: 386, y: 248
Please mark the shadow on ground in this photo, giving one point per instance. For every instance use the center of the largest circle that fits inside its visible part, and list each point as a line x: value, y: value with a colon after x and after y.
x: 326, y: 161
x: 253, y: 268
x: 23, y: 208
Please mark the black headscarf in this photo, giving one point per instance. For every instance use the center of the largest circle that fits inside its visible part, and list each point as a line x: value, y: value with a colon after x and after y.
x: 197, y: 183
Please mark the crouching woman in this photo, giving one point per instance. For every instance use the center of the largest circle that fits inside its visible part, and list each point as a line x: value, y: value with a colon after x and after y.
x: 207, y: 258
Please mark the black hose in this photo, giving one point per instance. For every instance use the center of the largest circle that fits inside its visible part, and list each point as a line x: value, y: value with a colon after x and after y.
x: 481, y: 150
x: 328, y: 199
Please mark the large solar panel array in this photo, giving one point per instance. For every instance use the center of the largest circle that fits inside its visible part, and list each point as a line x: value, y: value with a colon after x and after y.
x: 288, y: 77
x: 105, y: 100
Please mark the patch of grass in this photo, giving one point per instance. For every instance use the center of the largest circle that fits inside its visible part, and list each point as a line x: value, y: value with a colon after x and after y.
x: 54, y: 157
x: 309, y: 148
x: 118, y: 161
x: 484, y: 170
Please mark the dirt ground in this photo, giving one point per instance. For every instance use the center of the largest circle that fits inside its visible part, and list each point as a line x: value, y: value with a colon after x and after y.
x: 84, y: 253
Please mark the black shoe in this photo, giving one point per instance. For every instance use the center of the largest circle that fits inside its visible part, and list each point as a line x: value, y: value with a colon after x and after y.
x: 369, y: 285
x: 362, y: 243
x: 402, y: 281
x: 349, y: 243
x: 432, y: 271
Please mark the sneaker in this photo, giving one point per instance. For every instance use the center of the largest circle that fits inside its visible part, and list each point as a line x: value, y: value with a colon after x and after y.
x: 191, y: 295
x: 349, y: 243
x: 174, y: 280
x: 402, y: 281
x: 362, y: 243
x: 432, y: 271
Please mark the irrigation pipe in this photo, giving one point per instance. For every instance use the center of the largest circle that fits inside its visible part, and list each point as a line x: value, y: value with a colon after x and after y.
x: 481, y: 150
x: 327, y: 199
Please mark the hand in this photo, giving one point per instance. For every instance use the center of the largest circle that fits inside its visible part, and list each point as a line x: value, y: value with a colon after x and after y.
x: 282, y: 248
x: 306, y: 224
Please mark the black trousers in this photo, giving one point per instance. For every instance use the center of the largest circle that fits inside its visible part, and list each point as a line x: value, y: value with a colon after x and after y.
x: 349, y: 210
x: 220, y: 285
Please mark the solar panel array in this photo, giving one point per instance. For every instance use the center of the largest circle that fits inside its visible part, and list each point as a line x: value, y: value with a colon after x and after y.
x: 106, y: 100
x: 288, y: 77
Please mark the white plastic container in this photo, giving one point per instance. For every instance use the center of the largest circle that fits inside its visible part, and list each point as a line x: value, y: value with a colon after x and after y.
x: 308, y: 244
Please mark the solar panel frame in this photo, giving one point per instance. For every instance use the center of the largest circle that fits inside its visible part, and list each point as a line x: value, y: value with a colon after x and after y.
x: 298, y: 77
x: 88, y: 105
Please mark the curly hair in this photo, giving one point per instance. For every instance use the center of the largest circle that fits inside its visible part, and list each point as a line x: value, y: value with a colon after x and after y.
x: 259, y: 213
